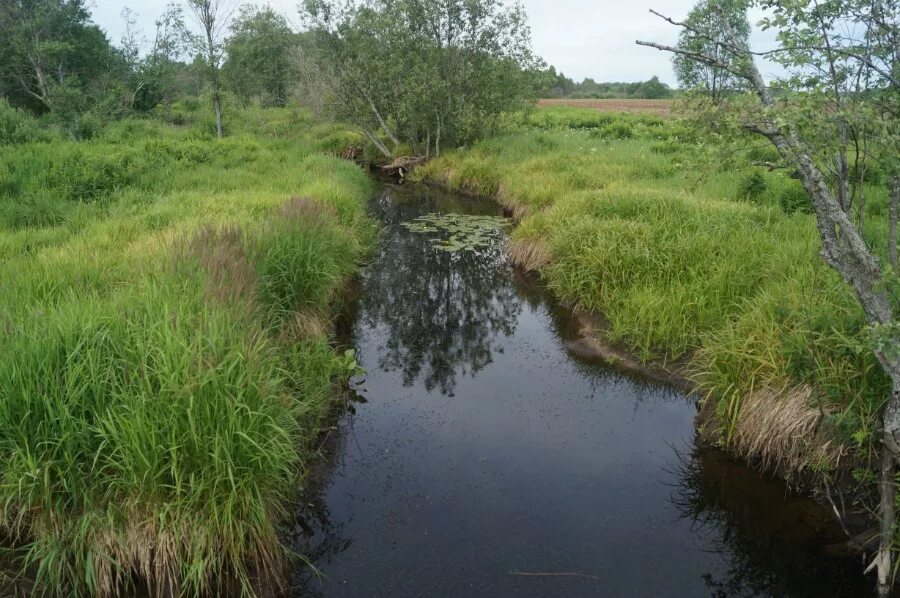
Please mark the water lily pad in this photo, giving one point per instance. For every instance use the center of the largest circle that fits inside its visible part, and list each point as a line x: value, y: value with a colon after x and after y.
x: 459, y: 232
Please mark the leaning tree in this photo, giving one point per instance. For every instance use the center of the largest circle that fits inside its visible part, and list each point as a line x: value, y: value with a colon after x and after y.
x: 832, y: 119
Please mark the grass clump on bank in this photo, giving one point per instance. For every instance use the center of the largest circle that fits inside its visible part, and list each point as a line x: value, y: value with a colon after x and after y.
x: 166, y: 360
x: 690, y: 259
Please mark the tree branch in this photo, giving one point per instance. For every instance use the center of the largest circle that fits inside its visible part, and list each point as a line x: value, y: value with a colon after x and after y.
x: 702, y: 58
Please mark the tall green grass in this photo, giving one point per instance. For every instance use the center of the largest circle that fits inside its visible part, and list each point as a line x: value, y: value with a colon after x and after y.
x: 690, y: 257
x: 157, y: 399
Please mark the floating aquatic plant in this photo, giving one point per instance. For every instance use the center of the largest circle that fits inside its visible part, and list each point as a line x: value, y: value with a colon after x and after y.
x: 464, y: 232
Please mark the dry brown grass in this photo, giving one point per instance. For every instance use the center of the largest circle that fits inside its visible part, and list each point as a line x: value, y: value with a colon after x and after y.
x: 516, y: 209
x: 657, y: 107
x: 779, y: 429
x: 230, y: 277
x: 157, y: 557
x: 308, y: 210
x: 305, y: 325
x: 221, y: 253
x: 530, y: 254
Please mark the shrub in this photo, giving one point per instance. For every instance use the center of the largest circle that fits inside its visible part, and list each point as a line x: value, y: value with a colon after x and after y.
x: 84, y: 175
x: 794, y: 198
x: 340, y: 143
x: 128, y: 130
x: 874, y: 173
x: 617, y: 130
x: 667, y: 147
x: 190, y: 104
x: 88, y: 125
x: 752, y: 186
x: 35, y: 210
x: 568, y: 118
x: 17, y: 126
x: 762, y: 152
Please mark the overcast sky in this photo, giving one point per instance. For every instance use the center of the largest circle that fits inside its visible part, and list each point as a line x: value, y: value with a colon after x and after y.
x: 582, y: 38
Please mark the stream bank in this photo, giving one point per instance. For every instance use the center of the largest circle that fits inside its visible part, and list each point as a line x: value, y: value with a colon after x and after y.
x: 486, y: 457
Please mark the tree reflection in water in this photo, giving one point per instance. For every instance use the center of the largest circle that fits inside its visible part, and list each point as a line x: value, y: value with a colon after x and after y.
x: 434, y: 316
x: 772, y: 542
x: 439, y: 313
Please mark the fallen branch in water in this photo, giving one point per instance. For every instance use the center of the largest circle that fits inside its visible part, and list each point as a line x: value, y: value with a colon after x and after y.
x: 402, y: 165
x: 552, y: 574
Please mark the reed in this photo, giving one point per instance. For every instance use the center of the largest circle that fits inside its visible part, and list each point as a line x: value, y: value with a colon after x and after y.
x: 156, y: 416
x: 689, y: 257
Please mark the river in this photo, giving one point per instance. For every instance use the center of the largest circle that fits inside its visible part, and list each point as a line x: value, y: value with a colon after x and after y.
x: 483, y: 459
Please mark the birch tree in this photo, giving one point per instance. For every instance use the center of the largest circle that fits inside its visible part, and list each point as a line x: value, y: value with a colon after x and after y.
x: 691, y: 74
x: 838, y: 105
x: 213, y: 17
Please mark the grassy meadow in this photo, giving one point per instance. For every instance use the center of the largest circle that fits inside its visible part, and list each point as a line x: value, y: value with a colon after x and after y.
x: 694, y: 257
x: 166, y: 300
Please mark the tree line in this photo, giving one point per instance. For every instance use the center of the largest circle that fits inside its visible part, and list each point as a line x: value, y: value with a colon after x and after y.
x: 61, y: 66
x: 412, y: 75
x: 557, y: 85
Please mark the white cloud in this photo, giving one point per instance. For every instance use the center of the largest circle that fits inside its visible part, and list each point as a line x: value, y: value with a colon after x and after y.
x: 582, y: 38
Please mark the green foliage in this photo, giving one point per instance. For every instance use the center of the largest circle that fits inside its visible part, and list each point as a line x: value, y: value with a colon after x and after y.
x: 551, y: 84
x: 60, y: 64
x: 704, y: 34
x: 752, y: 185
x: 17, y: 126
x: 53, y: 54
x: 652, y: 232
x: 794, y: 198
x: 300, y: 262
x: 259, y: 50
x: 564, y: 118
x: 423, y: 74
x: 617, y: 130
x: 152, y: 377
x: 599, y: 124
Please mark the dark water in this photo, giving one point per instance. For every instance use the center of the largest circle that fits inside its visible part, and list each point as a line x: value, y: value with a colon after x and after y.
x: 486, y: 461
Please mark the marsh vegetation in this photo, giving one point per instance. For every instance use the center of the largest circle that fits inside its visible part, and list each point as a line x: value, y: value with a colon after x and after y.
x: 166, y: 301
x: 180, y: 221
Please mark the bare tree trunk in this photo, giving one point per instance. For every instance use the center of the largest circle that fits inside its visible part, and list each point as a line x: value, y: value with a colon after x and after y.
x: 861, y: 211
x: 886, y: 514
x: 217, y: 105
x: 43, y: 93
x: 384, y: 127
x: 437, y: 139
x: 212, y: 17
x: 893, y: 216
x: 377, y: 143
x: 843, y: 181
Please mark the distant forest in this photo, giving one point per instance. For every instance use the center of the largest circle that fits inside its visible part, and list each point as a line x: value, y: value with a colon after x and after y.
x: 557, y: 85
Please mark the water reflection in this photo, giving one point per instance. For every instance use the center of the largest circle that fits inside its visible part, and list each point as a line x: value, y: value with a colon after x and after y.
x: 772, y: 540
x: 443, y: 310
x: 540, y: 463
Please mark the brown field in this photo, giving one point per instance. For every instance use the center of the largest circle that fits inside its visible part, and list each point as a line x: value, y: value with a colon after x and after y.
x: 657, y: 107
